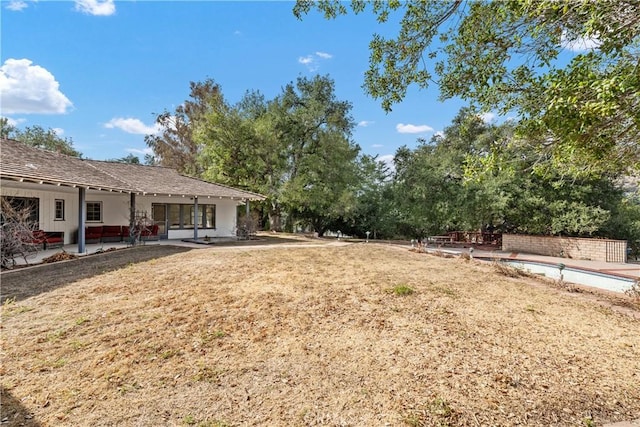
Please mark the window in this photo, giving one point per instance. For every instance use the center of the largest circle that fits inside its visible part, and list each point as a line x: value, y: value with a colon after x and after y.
x: 210, y: 216
x: 29, y: 205
x: 94, y: 211
x: 182, y: 216
x: 59, y: 210
x: 174, y: 216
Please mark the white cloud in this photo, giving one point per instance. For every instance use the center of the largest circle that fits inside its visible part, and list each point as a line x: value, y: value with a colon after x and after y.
x: 14, y: 122
x: 365, y: 123
x: 30, y: 89
x: 488, y: 117
x: 130, y: 125
x: 439, y: 134
x: 16, y: 5
x: 408, y: 128
x: 142, y: 152
x: 96, y: 7
x: 377, y: 145
x: 58, y: 131
x: 580, y: 44
x: 312, y: 61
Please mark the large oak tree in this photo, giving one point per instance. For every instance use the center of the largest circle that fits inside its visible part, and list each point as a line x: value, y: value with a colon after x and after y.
x: 515, y: 56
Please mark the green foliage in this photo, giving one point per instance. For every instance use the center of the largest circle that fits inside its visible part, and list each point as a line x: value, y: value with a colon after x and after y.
x: 36, y: 136
x: 479, y: 176
x: 175, y: 146
x: 130, y: 158
x: 295, y: 149
x: 402, y: 290
x: 516, y: 57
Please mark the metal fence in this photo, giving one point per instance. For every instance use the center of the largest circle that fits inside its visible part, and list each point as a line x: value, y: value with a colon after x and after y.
x: 616, y: 251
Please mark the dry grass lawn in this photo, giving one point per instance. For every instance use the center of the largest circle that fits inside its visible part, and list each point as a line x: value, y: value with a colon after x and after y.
x: 360, y: 335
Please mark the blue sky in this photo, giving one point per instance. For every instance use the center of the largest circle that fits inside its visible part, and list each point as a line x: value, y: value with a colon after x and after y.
x: 96, y: 71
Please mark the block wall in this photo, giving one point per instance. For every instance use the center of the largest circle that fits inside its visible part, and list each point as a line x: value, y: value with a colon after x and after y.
x: 567, y: 247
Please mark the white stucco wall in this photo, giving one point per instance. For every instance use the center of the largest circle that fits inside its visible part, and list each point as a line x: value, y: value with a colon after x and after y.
x: 115, y: 209
x: 47, y: 205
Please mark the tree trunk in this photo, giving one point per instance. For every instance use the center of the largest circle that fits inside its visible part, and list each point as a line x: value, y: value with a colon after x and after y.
x: 275, y: 217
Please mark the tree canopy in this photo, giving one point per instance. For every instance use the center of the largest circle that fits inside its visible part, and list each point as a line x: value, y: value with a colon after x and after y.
x: 518, y: 57
x: 480, y: 176
x: 296, y: 149
x: 175, y: 147
x: 39, y: 137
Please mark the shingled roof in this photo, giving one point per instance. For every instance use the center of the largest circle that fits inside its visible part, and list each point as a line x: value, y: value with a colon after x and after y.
x: 20, y: 162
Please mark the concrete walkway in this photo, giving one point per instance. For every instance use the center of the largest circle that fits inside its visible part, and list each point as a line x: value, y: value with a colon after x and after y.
x: 628, y: 270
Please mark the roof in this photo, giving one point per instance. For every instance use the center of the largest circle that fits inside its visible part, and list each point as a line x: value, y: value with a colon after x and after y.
x: 20, y: 162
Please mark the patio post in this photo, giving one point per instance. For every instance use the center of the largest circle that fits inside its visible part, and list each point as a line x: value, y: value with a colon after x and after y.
x: 82, y: 215
x: 195, y: 218
x: 132, y: 216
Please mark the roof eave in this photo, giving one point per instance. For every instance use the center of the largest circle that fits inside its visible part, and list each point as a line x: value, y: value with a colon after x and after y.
x: 62, y: 183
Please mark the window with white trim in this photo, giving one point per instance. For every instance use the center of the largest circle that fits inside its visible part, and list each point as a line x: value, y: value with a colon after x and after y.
x: 94, y: 211
x: 59, y: 211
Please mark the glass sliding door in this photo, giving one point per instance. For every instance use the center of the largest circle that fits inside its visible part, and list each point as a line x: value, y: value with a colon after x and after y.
x: 159, y: 213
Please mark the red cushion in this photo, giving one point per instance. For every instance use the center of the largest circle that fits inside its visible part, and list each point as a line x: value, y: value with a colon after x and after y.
x: 111, y: 231
x: 93, y: 232
x: 38, y: 237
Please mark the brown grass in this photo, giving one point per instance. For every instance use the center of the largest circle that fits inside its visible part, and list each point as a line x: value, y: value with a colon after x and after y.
x: 315, y: 336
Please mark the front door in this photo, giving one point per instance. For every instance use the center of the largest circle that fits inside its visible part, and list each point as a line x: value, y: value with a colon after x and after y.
x: 159, y: 213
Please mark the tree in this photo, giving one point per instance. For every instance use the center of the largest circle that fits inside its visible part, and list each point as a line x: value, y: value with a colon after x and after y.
x: 175, y: 147
x: 316, y: 128
x: 129, y: 158
x: 16, y: 234
x: 479, y: 176
x: 295, y: 149
x: 374, y: 211
x: 507, y: 55
x: 240, y: 147
x: 6, y: 129
x: 36, y: 136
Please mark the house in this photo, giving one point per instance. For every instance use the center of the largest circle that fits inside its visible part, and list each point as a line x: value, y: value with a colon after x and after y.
x: 67, y: 194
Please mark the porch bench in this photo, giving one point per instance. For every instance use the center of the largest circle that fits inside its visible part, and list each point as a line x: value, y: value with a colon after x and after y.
x: 146, y: 234
x: 38, y: 239
x: 150, y: 233
x: 111, y: 233
x: 93, y: 234
x: 53, y: 239
x: 46, y: 239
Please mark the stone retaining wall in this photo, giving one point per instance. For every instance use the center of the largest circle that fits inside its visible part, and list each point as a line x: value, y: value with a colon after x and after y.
x: 567, y: 247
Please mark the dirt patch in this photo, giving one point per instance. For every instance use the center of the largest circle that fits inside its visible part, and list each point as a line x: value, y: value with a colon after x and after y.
x: 316, y: 336
x: 30, y: 281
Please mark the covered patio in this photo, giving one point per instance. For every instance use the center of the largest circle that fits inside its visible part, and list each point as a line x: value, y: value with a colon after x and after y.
x: 71, y: 196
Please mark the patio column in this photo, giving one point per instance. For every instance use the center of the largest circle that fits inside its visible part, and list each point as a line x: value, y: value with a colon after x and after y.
x: 195, y: 218
x: 82, y: 215
x: 132, y: 215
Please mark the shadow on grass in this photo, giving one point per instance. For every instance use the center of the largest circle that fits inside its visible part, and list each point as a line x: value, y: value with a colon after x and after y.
x: 12, y: 413
x: 31, y: 281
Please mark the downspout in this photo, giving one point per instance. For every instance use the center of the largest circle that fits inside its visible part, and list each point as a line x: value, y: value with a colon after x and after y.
x: 195, y: 218
x: 82, y: 215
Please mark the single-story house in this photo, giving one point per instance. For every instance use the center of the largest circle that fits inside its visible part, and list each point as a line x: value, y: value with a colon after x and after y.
x: 68, y: 194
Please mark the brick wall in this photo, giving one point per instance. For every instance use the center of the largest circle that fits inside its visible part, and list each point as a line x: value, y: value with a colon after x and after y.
x: 567, y: 247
